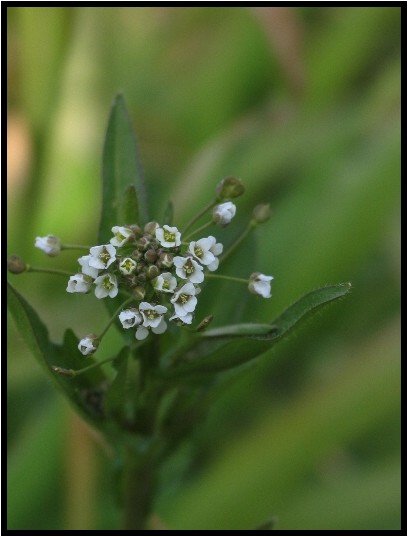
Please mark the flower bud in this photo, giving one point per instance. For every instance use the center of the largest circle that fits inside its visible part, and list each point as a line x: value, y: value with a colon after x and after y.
x: 50, y: 245
x: 228, y: 188
x: 224, y: 213
x: 165, y: 260
x: 260, y: 284
x: 142, y: 277
x: 151, y: 227
x: 139, y: 292
x: 62, y: 371
x: 261, y: 213
x: 143, y: 243
x: 15, y: 264
x: 150, y: 256
x: 88, y: 344
x: 152, y: 272
x: 136, y: 230
x: 136, y: 255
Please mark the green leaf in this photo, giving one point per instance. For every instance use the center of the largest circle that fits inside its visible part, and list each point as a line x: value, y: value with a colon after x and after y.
x: 252, y: 330
x: 84, y: 391
x: 114, y: 401
x: 123, y: 192
x: 239, y: 352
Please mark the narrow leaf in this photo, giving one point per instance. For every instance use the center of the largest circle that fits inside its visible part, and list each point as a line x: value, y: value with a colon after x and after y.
x: 123, y: 192
x: 81, y: 391
x: 238, y: 352
x: 114, y: 402
x: 241, y: 330
x: 168, y: 214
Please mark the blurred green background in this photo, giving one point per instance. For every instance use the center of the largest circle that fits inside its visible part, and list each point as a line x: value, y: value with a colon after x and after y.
x: 303, y: 104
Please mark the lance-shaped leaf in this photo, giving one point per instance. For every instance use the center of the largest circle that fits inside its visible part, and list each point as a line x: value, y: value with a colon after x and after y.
x: 115, y: 397
x: 83, y: 391
x: 238, y: 351
x: 123, y: 191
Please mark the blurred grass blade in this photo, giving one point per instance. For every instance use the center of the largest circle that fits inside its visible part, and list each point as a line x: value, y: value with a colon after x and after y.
x: 168, y: 214
x: 79, y: 390
x: 123, y: 192
x: 239, y: 352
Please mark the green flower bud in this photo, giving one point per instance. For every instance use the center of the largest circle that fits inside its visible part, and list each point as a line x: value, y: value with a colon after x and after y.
x: 228, y: 188
x: 136, y: 230
x: 15, y: 264
x: 143, y: 243
x: 261, y: 213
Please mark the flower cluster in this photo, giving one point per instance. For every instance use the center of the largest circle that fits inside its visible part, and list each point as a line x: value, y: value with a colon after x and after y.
x: 152, y: 264
x: 158, y: 272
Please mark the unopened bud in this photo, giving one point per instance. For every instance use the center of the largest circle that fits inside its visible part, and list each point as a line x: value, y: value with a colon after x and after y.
x: 135, y: 230
x: 261, y: 213
x: 150, y: 256
x: 228, y: 188
x: 62, y: 371
x: 152, y: 272
x: 151, y: 227
x: 143, y: 243
x: 88, y: 344
x: 136, y: 255
x: 204, y: 323
x: 224, y: 213
x: 139, y: 292
x: 165, y: 260
x: 15, y: 264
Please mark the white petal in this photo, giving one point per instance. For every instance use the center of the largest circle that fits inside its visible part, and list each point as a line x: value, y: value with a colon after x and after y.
x: 141, y: 333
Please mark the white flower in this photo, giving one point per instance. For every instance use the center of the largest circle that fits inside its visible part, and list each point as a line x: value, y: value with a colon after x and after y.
x: 86, y: 268
x: 121, y: 235
x: 130, y: 318
x: 185, y: 319
x: 165, y: 282
x: 224, y: 213
x: 143, y: 330
x: 216, y: 249
x: 127, y: 266
x: 102, y: 256
x: 51, y: 245
x: 184, y: 300
x: 106, y: 285
x: 259, y: 284
x: 168, y: 236
x: 188, y: 269
x: 201, y: 250
x: 88, y: 344
x: 141, y: 333
x: 152, y: 315
x: 79, y: 283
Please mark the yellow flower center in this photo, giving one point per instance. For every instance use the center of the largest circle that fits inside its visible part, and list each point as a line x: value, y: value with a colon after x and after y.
x: 169, y: 236
x: 198, y: 251
x: 104, y: 256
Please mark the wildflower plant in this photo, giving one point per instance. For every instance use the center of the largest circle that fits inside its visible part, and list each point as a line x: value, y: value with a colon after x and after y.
x: 151, y: 275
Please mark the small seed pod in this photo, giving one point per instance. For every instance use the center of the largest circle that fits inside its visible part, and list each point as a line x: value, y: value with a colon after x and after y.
x: 15, y: 264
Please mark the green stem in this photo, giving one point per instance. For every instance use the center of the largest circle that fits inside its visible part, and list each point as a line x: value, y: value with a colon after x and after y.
x: 199, y: 215
x: 138, y: 490
x: 230, y: 278
x: 235, y: 245
x: 48, y: 271
x: 74, y: 247
x: 111, y: 320
x: 204, y: 226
